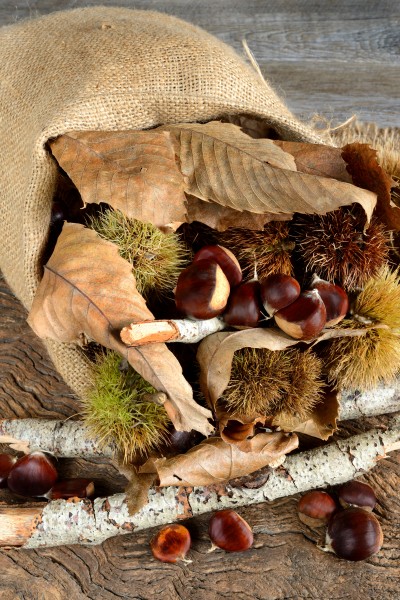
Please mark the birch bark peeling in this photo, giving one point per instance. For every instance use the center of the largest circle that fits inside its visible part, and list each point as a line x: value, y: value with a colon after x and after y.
x: 70, y: 439
x: 86, y: 522
x: 185, y: 331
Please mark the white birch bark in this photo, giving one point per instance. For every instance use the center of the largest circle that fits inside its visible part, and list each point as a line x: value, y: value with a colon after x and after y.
x: 86, y: 522
x: 71, y: 439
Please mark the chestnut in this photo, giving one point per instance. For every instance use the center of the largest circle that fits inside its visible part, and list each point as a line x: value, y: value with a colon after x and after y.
x: 77, y: 487
x: 230, y: 532
x: 6, y: 464
x: 226, y: 260
x: 278, y: 291
x: 356, y: 493
x: 354, y: 534
x: 171, y: 543
x: 304, y: 318
x: 335, y: 299
x: 32, y: 475
x: 202, y: 290
x: 316, y: 508
x: 244, y: 308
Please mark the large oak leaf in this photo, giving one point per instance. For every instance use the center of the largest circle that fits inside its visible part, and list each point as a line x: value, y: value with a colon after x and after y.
x: 222, y: 164
x: 214, y: 461
x: 133, y: 171
x: 89, y: 290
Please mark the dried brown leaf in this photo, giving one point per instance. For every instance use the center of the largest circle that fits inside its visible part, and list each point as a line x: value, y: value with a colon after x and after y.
x: 89, y: 290
x: 133, y: 171
x: 215, y: 461
x: 366, y: 172
x: 317, y: 159
x: 221, y: 164
x: 321, y: 422
x: 221, y: 218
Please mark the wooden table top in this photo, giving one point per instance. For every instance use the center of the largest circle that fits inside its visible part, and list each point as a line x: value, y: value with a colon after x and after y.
x: 334, y: 60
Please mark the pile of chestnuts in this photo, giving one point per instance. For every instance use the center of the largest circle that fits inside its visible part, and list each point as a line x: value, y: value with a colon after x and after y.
x: 353, y: 532
x: 35, y: 475
x: 227, y: 530
x: 212, y: 286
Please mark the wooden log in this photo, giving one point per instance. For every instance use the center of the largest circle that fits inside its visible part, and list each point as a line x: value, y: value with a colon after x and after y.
x: 91, y: 522
x: 186, y: 331
x: 71, y: 439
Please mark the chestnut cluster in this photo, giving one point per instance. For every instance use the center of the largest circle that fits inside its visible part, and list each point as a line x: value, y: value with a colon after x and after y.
x: 35, y: 475
x: 227, y: 530
x: 212, y: 285
x: 353, y: 532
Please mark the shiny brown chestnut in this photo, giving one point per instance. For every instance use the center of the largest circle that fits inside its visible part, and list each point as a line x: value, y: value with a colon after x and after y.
x: 316, y: 508
x: 244, y: 309
x: 202, y: 290
x: 356, y: 493
x: 77, y: 487
x: 171, y: 544
x: 32, y: 475
x: 230, y: 532
x: 335, y: 299
x: 354, y: 534
x: 6, y: 464
x: 278, y: 291
x: 304, y: 318
x: 226, y: 260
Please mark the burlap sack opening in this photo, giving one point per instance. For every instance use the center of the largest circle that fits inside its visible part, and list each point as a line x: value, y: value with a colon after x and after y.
x: 103, y: 69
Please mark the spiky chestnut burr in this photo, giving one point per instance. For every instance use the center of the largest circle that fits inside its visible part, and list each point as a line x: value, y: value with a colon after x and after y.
x: 362, y: 362
x: 270, y: 249
x: 157, y: 258
x: 117, y: 410
x: 273, y: 383
x: 336, y: 247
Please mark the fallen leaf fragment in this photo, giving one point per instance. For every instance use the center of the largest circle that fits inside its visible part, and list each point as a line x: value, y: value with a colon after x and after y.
x: 366, y: 172
x: 317, y: 159
x: 133, y: 171
x: 215, y: 461
x: 89, y: 290
x: 322, y: 421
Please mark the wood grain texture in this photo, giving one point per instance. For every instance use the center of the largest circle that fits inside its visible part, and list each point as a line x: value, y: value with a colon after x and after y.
x: 335, y: 59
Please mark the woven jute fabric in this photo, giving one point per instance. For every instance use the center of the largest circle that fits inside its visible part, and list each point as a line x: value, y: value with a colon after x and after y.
x: 103, y: 69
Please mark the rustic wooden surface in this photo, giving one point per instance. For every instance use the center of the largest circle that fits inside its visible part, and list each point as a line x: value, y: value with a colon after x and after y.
x: 335, y: 60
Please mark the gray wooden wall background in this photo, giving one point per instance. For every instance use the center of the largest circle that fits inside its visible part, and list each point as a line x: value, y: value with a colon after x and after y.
x: 334, y: 58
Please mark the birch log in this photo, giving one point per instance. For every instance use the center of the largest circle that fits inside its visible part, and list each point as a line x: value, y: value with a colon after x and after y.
x: 91, y: 522
x: 186, y: 331
x: 72, y: 439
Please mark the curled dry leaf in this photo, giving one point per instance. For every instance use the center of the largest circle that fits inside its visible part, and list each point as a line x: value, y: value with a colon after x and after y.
x: 214, y: 461
x: 366, y: 172
x: 322, y: 422
x: 89, y: 290
x: 133, y: 171
x: 221, y: 164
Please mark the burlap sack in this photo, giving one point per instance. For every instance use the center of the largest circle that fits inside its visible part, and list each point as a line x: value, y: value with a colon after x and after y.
x: 103, y: 69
